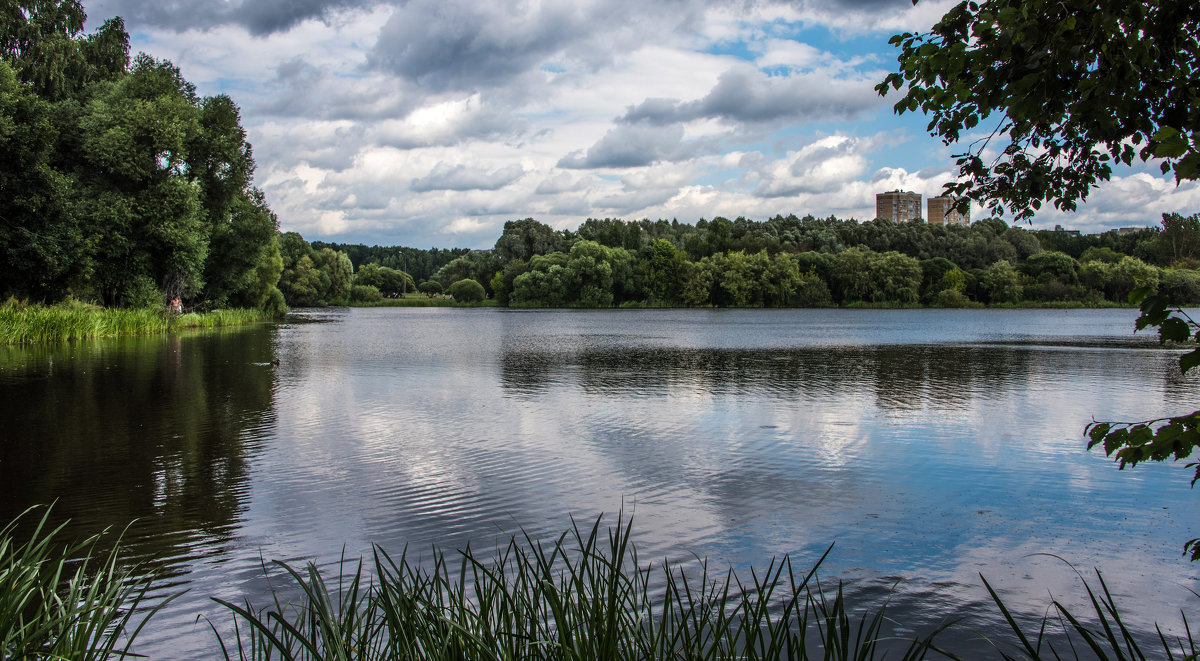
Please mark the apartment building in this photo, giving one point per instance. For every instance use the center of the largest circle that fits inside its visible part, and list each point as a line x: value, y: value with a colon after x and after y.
x: 898, y: 206
x: 941, y: 211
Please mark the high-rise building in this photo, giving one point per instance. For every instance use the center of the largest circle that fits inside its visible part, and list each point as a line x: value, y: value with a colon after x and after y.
x: 942, y: 212
x: 898, y: 206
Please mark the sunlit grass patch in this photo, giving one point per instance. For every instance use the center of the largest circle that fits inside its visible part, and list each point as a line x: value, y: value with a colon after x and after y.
x: 72, y: 320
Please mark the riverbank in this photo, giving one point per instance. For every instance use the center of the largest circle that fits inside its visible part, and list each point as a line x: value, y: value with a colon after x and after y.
x: 73, y: 320
x: 427, y: 302
x: 422, y: 301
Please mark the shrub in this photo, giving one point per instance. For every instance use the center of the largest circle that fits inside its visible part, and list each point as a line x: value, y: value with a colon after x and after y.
x: 467, y: 291
x: 274, y: 303
x: 365, y: 294
x: 951, y: 298
x: 1181, y: 285
x: 811, y: 292
x: 430, y: 287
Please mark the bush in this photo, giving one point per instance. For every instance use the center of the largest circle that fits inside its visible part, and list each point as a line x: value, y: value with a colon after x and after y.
x: 811, y: 292
x: 1181, y: 285
x: 141, y: 292
x: 430, y: 287
x: 365, y: 294
x: 467, y: 291
x: 274, y: 303
x: 952, y: 298
x: 1001, y: 283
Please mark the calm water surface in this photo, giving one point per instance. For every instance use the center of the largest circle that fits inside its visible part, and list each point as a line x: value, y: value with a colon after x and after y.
x: 928, y: 446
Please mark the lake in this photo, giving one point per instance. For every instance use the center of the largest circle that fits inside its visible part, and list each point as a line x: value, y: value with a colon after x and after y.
x: 928, y: 446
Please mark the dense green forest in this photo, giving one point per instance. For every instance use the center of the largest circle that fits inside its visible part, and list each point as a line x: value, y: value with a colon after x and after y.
x: 784, y: 261
x: 118, y: 183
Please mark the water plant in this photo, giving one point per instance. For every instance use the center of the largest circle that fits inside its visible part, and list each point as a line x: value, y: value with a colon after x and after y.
x: 583, y: 596
x: 67, y: 600
x: 1106, y: 636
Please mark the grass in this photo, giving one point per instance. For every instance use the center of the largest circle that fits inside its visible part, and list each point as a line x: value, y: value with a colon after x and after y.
x: 65, y: 600
x: 1104, y: 637
x: 1062, y: 305
x: 583, y: 595
x: 72, y: 320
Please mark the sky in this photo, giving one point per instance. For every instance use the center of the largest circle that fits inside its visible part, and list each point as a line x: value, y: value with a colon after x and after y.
x: 429, y: 123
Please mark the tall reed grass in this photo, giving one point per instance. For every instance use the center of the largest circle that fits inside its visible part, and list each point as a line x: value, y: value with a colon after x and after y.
x: 584, y: 595
x: 1102, y: 636
x: 72, y: 320
x: 65, y: 600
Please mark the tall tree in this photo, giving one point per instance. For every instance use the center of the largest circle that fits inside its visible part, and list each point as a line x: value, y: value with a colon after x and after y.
x: 1180, y: 238
x: 147, y: 219
x: 522, y: 239
x: 39, y: 236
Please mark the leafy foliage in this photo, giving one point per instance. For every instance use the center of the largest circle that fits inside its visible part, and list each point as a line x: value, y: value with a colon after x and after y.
x: 1077, y: 87
x: 679, y: 264
x: 1046, y: 87
x: 467, y: 291
x: 1130, y: 443
x: 119, y: 183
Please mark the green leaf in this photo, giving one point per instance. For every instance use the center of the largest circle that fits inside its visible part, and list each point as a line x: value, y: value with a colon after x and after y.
x: 1189, y: 360
x: 1139, y: 294
x: 1164, y: 133
x: 1115, y: 440
x: 1097, y: 433
x: 1174, y: 329
x: 1188, y: 167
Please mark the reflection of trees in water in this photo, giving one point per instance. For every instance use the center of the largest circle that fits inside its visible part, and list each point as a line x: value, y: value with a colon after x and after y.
x: 899, y: 377
x: 157, y: 429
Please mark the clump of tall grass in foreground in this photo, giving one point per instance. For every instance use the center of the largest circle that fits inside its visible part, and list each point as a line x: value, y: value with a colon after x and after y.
x: 584, y: 596
x: 72, y: 320
x: 66, y: 600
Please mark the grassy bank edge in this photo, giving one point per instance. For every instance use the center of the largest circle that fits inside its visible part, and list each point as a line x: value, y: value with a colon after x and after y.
x: 424, y: 302
x: 415, y: 302
x: 73, y: 320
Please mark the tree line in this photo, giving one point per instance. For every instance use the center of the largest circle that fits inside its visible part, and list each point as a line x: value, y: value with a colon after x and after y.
x: 785, y: 261
x: 805, y: 262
